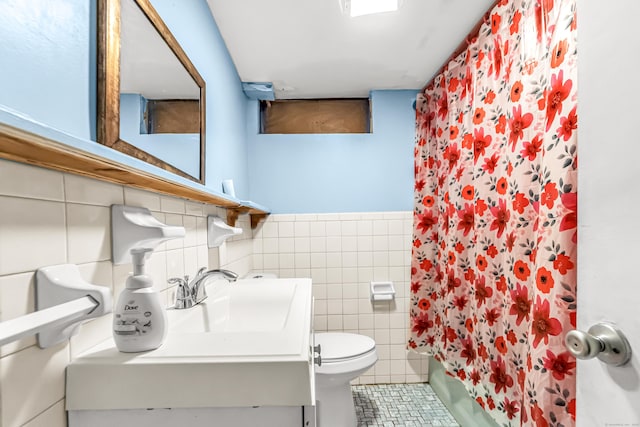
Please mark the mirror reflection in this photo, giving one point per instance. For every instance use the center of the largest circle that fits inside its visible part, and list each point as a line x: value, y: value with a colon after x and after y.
x: 160, y: 95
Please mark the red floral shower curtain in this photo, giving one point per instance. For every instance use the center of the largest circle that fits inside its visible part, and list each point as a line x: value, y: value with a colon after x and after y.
x: 494, y: 247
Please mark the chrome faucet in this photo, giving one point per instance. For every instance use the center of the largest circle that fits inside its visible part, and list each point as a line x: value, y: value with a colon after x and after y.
x: 193, y: 292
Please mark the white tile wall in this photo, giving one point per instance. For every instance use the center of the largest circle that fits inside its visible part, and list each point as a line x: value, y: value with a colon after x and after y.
x: 49, y: 217
x: 343, y: 253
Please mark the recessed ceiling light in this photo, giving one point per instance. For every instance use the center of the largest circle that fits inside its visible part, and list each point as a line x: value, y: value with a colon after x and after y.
x: 368, y: 7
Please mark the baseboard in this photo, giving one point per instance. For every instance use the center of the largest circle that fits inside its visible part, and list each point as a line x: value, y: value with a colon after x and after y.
x: 466, y: 411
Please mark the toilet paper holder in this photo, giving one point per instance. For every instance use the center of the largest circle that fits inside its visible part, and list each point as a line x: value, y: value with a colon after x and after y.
x: 382, y: 291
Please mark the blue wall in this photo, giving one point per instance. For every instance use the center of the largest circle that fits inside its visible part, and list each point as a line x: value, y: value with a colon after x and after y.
x: 195, y: 29
x: 338, y: 172
x: 48, y: 62
x: 49, y: 74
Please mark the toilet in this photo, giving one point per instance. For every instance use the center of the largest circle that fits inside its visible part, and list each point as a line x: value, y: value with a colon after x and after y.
x: 345, y: 356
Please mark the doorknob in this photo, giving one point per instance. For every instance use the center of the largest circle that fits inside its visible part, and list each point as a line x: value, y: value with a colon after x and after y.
x: 603, y: 340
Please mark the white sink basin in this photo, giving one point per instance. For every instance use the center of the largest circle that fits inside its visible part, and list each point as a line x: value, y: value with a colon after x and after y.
x: 247, y: 307
x: 247, y: 344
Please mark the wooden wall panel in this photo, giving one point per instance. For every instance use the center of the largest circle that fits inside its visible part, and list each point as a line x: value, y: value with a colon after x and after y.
x: 173, y: 116
x: 315, y: 116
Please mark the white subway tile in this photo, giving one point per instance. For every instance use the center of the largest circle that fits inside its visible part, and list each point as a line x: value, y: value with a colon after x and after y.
x: 334, y: 275
x: 270, y: 261
x: 32, y: 234
x: 287, y: 244
x: 350, y: 216
x: 141, y: 198
x: 191, y: 265
x: 365, y: 228
x: 318, y: 260
x: 306, y: 217
x: 334, y: 306
x: 349, y: 228
x: 22, y: 180
x: 201, y: 230
x: 282, y: 217
x: 302, y: 244
x: 381, y: 368
x: 365, y: 259
x: 175, y: 263
x: 381, y: 259
x: 286, y: 229
x: 191, y: 230
x: 318, y: 244
x: 320, y: 323
x: 88, y: 233
x: 350, y: 306
x: 350, y: 322
x: 174, y: 219
x: 380, y: 243
x: 365, y: 321
x: 172, y: 205
x: 334, y: 323
x: 365, y: 243
x: 382, y: 336
x: 303, y: 260
x: 270, y: 229
x: 381, y: 274
x: 350, y: 291
x: 380, y: 227
x: 270, y: 245
x: 317, y: 229
x: 333, y: 228
x: 258, y: 265
x: 17, y: 298
x: 55, y: 416
x: 79, y: 189
x: 349, y: 244
x: 350, y: 275
x: 21, y: 400
x: 194, y: 209
x: 286, y: 261
x: 286, y: 273
x: 334, y: 291
x: 349, y: 259
x: 320, y: 307
x: 91, y: 333
x: 334, y: 259
x: 301, y: 229
x: 334, y: 244
x: 395, y: 227
x: 319, y: 276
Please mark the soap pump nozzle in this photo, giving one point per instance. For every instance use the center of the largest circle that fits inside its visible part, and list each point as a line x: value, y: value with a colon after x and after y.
x: 139, y: 279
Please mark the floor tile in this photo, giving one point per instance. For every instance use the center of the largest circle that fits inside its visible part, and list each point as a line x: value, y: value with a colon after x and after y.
x: 400, y: 405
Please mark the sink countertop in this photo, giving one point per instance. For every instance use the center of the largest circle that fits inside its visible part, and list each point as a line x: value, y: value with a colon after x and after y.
x: 201, y: 366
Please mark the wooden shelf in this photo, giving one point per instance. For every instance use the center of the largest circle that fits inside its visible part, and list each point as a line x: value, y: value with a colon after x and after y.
x: 26, y: 147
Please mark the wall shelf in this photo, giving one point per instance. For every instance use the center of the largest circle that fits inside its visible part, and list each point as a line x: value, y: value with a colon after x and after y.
x: 26, y: 141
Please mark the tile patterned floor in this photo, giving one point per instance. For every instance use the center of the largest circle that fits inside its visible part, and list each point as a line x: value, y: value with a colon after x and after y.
x: 400, y: 405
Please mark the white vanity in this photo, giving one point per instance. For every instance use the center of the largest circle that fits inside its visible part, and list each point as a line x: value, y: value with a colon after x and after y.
x: 243, y: 357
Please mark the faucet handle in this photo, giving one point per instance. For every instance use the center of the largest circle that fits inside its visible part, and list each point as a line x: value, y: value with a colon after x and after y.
x: 176, y: 281
x: 184, y: 298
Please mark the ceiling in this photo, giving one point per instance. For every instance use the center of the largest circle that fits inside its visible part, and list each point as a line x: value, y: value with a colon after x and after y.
x: 310, y: 49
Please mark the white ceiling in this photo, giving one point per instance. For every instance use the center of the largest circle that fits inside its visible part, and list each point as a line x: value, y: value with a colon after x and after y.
x: 310, y: 49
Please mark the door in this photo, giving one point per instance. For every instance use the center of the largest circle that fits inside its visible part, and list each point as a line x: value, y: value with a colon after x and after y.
x: 609, y: 203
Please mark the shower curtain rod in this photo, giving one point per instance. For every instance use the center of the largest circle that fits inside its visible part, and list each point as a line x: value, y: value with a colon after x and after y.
x: 471, y: 36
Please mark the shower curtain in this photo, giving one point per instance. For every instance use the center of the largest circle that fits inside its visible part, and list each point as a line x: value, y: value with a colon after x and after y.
x: 493, y: 273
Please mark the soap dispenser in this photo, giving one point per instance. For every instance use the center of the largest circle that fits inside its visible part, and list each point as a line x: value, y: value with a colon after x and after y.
x: 139, y: 320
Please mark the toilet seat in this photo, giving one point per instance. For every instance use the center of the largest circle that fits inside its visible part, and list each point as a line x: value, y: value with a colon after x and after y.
x: 343, y: 353
x: 340, y: 346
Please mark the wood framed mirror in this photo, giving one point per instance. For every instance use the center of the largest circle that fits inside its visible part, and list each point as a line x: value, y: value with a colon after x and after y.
x: 142, y: 69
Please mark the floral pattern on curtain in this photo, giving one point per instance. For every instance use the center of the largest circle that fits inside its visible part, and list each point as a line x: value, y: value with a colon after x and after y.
x: 493, y: 287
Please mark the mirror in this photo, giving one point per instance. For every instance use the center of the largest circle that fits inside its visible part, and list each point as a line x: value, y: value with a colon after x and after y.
x: 145, y: 79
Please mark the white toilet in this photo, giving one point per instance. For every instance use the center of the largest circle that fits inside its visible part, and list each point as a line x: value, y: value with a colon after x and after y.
x: 344, y: 358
